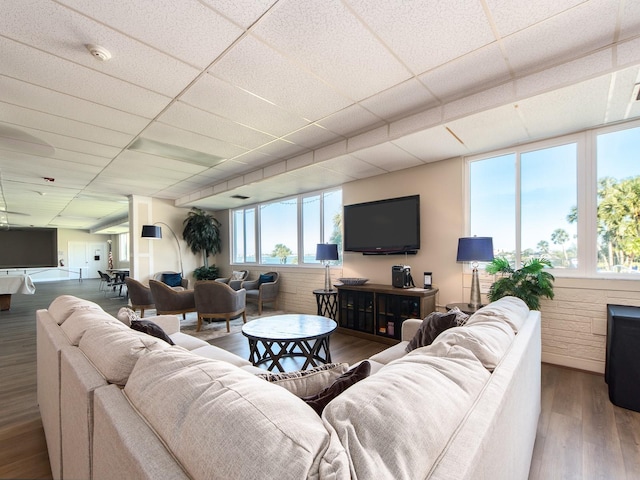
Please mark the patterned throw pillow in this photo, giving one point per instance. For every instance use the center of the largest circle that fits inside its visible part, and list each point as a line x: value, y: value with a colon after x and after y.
x: 126, y: 316
x: 307, y: 382
x: 344, y: 381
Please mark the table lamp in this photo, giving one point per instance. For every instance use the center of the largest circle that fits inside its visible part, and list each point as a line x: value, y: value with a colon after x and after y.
x: 325, y: 252
x: 474, y: 250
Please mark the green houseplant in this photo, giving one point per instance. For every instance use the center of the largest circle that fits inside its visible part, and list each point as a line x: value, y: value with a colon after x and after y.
x: 202, y: 234
x: 529, y: 283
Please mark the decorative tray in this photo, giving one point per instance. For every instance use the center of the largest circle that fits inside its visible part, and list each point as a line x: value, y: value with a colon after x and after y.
x: 353, y: 281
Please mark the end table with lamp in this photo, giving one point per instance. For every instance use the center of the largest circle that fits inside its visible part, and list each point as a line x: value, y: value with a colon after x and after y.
x: 474, y: 250
x: 327, y: 298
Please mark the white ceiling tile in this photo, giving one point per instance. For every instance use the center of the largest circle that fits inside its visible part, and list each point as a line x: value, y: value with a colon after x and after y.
x: 143, y: 161
x: 628, y: 52
x: 264, y: 72
x: 406, y: 97
x: 188, y: 118
x: 19, y: 116
x: 629, y: 19
x: 254, y: 176
x: 566, y: 110
x: 432, y: 144
x: 558, y: 39
x: 621, y: 106
x: 367, y: 139
x: 470, y: 73
x: 131, y: 60
x: 350, y: 120
x: 244, y: 12
x: 276, y: 169
x: 332, y: 43
x: 352, y: 167
x: 492, y: 129
x: 416, y: 122
x: 312, y: 136
x: 190, y: 31
x: 282, y: 149
x: 333, y: 150
x: 68, y: 106
x: 564, y: 74
x: 493, y: 97
x: 388, y: 157
x: 253, y: 158
x: 223, y: 99
x: 49, y: 71
x: 161, y: 132
x: 300, y: 161
x: 513, y: 15
x: 424, y: 33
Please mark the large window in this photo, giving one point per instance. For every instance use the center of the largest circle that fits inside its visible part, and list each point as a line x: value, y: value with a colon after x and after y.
x: 574, y: 201
x: 286, y: 231
x: 123, y: 247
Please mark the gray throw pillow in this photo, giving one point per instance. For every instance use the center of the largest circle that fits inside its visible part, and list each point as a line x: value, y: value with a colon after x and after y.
x: 151, y: 328
x: 433, y: 325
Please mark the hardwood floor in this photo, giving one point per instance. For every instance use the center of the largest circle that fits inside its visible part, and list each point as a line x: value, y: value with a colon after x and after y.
x: 581, y: 435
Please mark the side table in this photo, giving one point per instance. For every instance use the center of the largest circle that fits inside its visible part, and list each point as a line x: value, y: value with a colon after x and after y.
x: 327, y: 301
x: 463, y: 307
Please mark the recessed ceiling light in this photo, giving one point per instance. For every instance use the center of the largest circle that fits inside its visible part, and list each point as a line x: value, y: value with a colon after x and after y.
x: 175, y: 152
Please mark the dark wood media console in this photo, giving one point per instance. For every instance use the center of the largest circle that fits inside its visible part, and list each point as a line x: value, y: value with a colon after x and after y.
x: 376, y: 311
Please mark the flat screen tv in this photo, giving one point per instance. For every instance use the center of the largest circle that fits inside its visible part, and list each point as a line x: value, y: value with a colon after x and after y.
x: 28, y: 247
x: 383, y: 227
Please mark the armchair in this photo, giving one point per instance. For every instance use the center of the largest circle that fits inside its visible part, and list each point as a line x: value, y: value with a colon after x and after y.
x: 170, y: 301
x: 236, y: 279
x: 263, y: 290
x: 139, y: 295
x: 218, y: 300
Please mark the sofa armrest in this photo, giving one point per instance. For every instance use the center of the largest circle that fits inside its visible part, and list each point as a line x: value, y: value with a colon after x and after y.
x: 409, y: 328
x: 169, y: 323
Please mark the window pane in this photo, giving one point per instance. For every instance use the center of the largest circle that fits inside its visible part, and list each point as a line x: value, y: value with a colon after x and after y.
x: 279, y: 232
x: 618, y: 201
x: 250, y: 236
x: 238, y: 237
x: 548, y: 199
x: 123, y: 247
x: 492, y: 202
x: 311, y: 227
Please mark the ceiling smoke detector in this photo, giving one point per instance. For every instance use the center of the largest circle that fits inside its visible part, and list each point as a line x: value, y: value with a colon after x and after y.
x: 99, y: 52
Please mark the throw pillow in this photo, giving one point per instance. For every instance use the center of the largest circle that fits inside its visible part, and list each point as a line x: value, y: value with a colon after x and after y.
x: 344, y: 381
x: 151, y: 328
x: 307, y: 382
x: 433, y: 325
x: 461, y: 317
x: 264, y: 278
x: 172, y: 279
x: 237, y: 275
x: 126, y: 316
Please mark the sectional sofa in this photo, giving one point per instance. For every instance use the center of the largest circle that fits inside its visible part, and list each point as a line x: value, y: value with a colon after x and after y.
x: 117, y: 403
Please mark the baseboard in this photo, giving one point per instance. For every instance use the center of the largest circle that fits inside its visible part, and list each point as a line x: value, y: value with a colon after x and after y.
x: 577, y: 363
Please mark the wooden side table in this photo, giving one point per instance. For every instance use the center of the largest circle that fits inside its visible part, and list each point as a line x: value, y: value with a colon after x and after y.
x: 463, y: 307
x: 327, y: 301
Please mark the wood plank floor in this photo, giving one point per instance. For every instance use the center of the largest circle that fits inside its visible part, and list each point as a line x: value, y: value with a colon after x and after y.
x: 581, y: 435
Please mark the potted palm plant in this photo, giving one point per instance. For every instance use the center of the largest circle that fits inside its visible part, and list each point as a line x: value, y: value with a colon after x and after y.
x: 202, y: 234
x: 529, y: 283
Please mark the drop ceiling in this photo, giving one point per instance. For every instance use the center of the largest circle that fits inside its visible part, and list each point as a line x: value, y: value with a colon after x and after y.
x: 205, y: 100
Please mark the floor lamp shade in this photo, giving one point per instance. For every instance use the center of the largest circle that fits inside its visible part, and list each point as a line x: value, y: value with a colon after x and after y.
x: 474, y: 250
x: 326, y: 252
x: 151, y: 231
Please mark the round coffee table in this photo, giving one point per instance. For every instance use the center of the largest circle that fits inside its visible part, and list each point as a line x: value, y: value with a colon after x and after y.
x: 294, y: 335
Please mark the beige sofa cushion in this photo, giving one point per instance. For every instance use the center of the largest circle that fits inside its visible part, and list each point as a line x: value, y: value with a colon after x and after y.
x: 115, y: 351
x: 488, y: 340
x: 64, y: 305
x: 222, y: 422
x: 82, y: 320
x: 398, y: 421
x: 511, y: 310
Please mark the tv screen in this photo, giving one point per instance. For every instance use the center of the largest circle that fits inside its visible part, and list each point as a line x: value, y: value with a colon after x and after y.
x: 28, y: 247
x: 383, y: 227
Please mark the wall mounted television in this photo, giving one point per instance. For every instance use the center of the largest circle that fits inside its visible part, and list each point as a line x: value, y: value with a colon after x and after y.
x: 28, y: 247
x: 383, y: 227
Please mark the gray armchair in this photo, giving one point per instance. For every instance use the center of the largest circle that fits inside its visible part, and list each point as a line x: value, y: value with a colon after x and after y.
x: 218, y: 300
x: 139, y: 295
x: 160, y: 277
x: 263, y: 290
x: 170, y: 301
x: 235, y: 281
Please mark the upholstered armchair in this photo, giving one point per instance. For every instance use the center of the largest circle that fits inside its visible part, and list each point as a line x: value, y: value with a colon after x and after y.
x: 218, y: 300
x: 236, y: 279
x: 139, y: 295
x: 172, y: 279
x: 263, y: 290
x: 170, y: 301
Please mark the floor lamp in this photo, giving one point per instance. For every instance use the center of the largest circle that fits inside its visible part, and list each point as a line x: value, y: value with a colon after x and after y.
x: 474, y: 250
x: 325, y: 252
x: 155, y: 232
